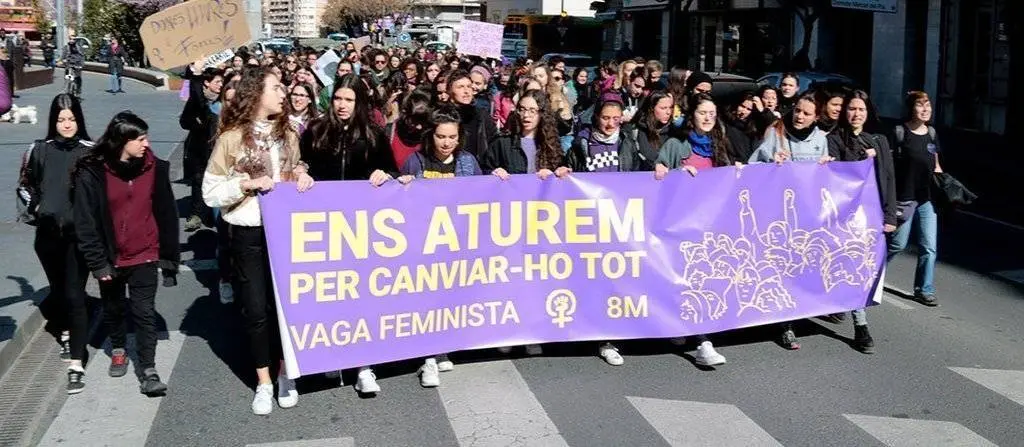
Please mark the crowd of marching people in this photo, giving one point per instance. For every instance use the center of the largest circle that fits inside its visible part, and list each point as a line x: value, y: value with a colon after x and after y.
x: 407, y: 116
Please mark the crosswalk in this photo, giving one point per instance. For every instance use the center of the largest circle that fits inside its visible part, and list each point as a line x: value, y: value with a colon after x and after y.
x: 490, y: 404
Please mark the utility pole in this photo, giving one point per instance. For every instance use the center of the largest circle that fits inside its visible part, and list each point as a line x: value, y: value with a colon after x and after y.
x: 80, y: 7
x: 61, y: 37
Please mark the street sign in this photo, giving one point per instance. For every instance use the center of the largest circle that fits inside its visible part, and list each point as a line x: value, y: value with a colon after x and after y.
x: 888, y: 6
x: 404, y: 38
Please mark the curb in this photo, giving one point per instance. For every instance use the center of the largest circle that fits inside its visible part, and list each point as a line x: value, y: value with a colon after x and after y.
x: 23, y: 334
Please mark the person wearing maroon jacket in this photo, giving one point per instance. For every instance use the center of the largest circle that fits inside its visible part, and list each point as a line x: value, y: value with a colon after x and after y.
x: 126, y: 224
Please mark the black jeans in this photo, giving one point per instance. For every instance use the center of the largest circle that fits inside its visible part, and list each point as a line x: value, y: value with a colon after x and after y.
x: 254, y: 291
x: 141, y: 282
x: 199, y: 207
x: 67, y: 274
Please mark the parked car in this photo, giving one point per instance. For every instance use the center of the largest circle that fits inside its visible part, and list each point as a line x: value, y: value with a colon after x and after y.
x: 572, y: 61
x: 437, y: 46
x: 727, y: 86
x: 338, y: 37
x: 808, y: 79
x: 279, y: 45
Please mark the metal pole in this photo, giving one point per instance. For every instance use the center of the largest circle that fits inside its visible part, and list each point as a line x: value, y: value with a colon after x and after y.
x: 81, y: 17
x: 673, y: 13
x: 61, y: 37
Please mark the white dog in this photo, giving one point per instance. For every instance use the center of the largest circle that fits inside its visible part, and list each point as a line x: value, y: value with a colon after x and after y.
x: 20, y: 115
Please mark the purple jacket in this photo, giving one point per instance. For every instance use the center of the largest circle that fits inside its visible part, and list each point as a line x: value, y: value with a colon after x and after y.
x: 5, y: 93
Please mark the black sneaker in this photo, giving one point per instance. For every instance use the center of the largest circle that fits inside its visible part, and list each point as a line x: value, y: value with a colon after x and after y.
x: 75, y: 383
x: 151, y: 384
x: 118, y: 363
x: 789, y: 340
x: 926, y: 299
x: 194, y: 223
x: 862, y: 340
x: 65, y: 347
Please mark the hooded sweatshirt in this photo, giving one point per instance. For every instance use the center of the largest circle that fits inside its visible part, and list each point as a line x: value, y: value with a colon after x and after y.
x: 803, y: 145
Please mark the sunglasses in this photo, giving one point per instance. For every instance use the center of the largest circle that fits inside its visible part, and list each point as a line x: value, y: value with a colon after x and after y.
x: 299, y: 95
x: 557, y: 78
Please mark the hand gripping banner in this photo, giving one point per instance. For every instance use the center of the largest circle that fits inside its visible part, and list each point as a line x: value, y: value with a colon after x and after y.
x: 368, y: 275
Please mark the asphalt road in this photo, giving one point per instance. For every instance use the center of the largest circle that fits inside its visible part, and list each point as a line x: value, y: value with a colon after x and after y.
x: 951, y: 375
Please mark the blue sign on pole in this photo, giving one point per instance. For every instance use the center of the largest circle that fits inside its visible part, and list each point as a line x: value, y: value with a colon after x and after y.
x: 404, y: 37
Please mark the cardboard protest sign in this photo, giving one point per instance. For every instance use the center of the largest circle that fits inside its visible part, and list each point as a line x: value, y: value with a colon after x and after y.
x: 181, y: 34
x: 326, y: 66
x: 480, y: 39
x: 361, y: 42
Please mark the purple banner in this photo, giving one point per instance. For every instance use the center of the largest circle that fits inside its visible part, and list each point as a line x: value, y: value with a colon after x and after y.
x: 368, y: 275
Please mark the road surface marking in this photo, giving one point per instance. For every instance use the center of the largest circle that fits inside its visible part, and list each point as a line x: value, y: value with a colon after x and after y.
x: 332, y: 442
x: 1007, y: 383
x: 686, y: 423
x: 111, y: 411
x: 896, y: 301
x: 489, y: 404
x: 899, y: 432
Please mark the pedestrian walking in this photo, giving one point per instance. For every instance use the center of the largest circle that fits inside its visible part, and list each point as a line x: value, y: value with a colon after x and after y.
x: 256, y: 148
x: 126, y: 223
x: 46, y: 187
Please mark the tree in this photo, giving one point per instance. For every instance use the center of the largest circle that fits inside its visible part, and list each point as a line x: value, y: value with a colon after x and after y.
x: 341, y: 13
x: 121, y: 19
x: 809, y: 11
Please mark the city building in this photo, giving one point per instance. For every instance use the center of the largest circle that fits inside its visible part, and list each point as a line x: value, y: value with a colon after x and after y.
x: 499, y: 10
x: 428, y: 15
x: 293, y: 18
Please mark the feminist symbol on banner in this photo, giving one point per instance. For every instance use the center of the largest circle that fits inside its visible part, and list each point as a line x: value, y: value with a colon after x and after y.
x: 561, y: 304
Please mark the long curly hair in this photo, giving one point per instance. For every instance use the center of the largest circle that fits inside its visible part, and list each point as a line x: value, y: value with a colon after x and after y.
x: 549, y: 150
x: 719, y: 142
x: 331, y: 133
x: 241, y: 115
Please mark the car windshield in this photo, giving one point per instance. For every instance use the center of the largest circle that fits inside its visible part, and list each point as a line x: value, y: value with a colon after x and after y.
x: 580, y: 61
x: 279, y: 48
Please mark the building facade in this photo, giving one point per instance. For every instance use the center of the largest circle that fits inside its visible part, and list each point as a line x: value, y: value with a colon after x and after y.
x: 293, y: 18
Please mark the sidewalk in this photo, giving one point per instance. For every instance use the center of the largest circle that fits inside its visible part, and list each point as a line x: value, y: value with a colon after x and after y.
x: 23, y: 285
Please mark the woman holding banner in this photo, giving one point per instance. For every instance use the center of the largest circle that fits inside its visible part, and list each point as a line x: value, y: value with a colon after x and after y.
x: 256, y: 149
x: 345, y: 144
x: 442, y: 157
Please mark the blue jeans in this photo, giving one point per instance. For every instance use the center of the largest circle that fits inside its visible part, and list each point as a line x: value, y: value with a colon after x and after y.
x: 926, y: 224
x: 115, y: 81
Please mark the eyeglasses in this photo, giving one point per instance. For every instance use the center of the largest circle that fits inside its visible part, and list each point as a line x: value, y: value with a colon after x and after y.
x: 380, y: 62
x: 299, y: 95
x: 528, y: 111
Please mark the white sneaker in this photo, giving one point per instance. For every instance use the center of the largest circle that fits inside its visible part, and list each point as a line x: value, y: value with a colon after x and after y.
x: 430, y: 377
x: 227, y: 293
x: 505, y: 349
x: 707, y: 356
x: 366, y: 383
x: 263, y: 402
x: 610, y: 354
x: 443, y: 364
x: 677, y: 341
x: 287, y: 395
x: 534, y: 350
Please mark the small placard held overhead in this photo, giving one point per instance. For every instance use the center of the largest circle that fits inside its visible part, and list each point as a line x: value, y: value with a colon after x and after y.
x: 181, y: 34
x: 480, y: 39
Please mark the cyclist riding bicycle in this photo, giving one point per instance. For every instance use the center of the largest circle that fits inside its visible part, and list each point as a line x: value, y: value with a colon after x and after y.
x: 74, y: 60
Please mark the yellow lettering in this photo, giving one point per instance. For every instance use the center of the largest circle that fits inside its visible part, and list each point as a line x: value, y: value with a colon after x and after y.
x: 536, y: 225
x: 515, y: 228
x: 380, y: 225
x: 441, y: 232
x: 473, y: 212
x: 498, y: 269
x: 300, y: 283
x: 300, y: 341
x: 509, y: 313
x: 357, y: 240
x: 325, y: 282
x: 573, y: 221
x: 375, y: 288
x: 342, y: 337
x: 628, y: 228
x: 300, y: 237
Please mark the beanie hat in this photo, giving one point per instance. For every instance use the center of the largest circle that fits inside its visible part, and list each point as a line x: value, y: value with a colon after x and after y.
x: 696, y: 79
x: 482, y: 71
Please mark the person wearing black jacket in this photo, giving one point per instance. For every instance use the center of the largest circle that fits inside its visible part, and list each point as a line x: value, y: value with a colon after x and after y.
x: 115, y: 65
x: 741, y: 128
x: 530, y: 144
x: 849, y: 142
x: 127, y: 226
x: 45, y: 189
x: 343, y: 143
x: 201, y: 123
x: 477, y: 127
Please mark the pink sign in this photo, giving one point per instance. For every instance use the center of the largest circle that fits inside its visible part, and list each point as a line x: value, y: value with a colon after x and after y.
x: 480, y: 39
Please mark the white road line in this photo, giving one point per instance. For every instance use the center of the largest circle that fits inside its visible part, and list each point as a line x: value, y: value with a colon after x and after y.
x: 332, y: 442
x: 686, y: 423
x: 1008, y: 383
x: 989, y: 219
x: 897, y: 432
x: 111, y: 411
x: 489, y: 404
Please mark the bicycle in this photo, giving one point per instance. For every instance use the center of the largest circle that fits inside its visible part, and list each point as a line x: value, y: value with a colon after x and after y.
x: 71, y: 84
